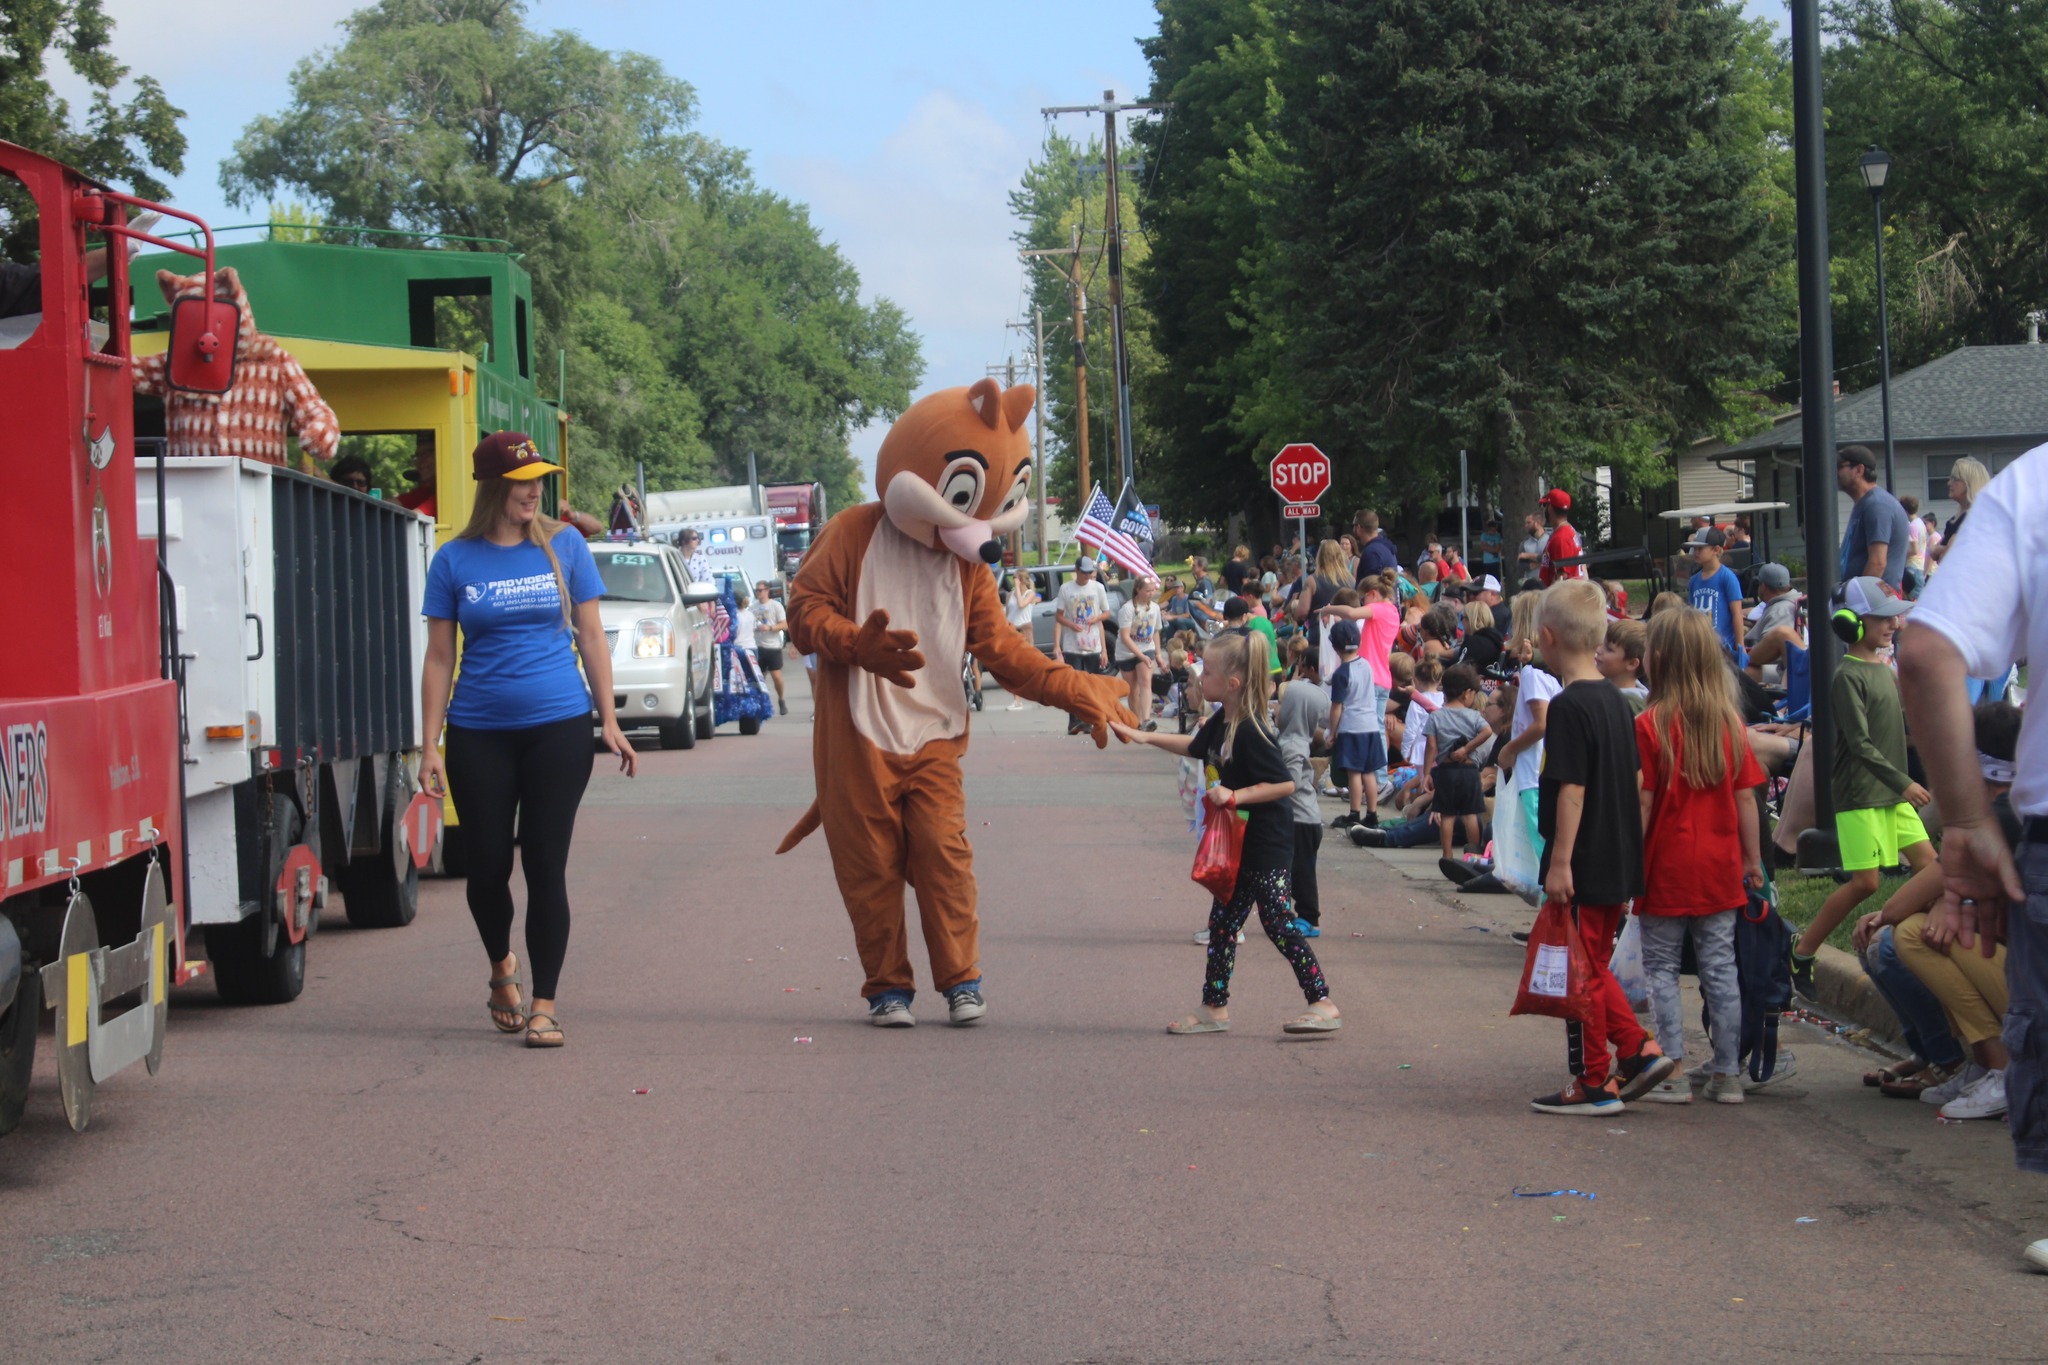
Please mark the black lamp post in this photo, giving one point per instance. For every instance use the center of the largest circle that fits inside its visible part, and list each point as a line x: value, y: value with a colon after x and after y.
x: 1876, y: 165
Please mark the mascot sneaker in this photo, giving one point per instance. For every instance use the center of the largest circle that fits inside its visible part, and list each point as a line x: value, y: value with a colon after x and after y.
x: 965, y: 1005
x: 890, y: 1009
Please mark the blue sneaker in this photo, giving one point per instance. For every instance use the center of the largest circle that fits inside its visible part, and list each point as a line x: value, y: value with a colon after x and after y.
x: 891, y: 1009
x: 965, y: 1005
x: 1307, y: 930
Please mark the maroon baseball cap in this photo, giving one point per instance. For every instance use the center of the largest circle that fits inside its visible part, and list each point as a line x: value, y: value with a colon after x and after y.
x: 509, y: 455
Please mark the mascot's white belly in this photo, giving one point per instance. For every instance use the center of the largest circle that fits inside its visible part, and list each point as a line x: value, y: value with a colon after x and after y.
x: 920, y: 589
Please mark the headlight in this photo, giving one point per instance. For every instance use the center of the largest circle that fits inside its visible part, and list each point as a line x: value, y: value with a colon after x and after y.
x: 652, y: 639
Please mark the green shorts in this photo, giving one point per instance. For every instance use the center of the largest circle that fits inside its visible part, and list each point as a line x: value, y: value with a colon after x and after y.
x: 1873, y: 838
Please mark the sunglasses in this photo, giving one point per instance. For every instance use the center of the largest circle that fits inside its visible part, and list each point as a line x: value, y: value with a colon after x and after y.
x: 358, y: 482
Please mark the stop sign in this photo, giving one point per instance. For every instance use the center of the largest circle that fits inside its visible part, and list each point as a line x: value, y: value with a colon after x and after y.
x: 1301, y: 473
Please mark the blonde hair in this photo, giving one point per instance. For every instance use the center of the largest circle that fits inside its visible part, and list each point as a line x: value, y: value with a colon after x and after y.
x: 489, y: 510
x: 1428, y: 673
x: 1663, y: 602
x: 1245, y: 658
x: 1522, y: 618
x: 1478, y: 616
x: 1691, y: 686
x: 1574, y: 611
x: 1402, y: 667
x: 1972, y: 475
x: 1330, y: 565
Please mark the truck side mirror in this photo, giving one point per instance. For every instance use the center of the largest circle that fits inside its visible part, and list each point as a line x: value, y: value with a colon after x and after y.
x: 202, y: 349
x: 700, y: 594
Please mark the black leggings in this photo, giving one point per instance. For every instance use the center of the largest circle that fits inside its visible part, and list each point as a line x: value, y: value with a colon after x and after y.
x: 535, y: 778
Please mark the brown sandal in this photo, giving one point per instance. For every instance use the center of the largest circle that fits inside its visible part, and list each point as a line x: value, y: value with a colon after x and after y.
x: 513, y: 1010
x: 1892, y: 1075
x: 537, y: 1033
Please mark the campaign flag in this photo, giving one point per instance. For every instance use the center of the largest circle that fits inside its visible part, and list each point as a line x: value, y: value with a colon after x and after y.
x: 1098, y: 527
x: 1132, y: 521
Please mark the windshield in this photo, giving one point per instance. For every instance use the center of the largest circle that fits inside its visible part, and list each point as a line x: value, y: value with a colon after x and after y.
x: 633, y: 576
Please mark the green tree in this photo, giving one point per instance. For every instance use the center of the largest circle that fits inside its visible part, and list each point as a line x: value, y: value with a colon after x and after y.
x: 1530, y: 230
x: 1217, y: 391
x: 1955, y: 91
x: 453, y: 119
x: 123, y: 144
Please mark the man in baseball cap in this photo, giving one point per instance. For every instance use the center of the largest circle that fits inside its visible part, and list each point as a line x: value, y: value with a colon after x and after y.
x: 1563, y: 542
x: 1774, y: 622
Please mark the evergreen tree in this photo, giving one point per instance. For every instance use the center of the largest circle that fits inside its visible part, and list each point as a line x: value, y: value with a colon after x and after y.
x: 1530, y: 230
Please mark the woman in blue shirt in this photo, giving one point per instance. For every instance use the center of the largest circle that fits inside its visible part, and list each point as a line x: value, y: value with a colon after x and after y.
x: 523, y: 588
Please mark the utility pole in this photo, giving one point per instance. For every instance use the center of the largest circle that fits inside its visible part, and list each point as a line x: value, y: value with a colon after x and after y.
x: 1009, y: 370
x: 1038, y: 402
x: 1109, y: 109
x: 1072, y: 272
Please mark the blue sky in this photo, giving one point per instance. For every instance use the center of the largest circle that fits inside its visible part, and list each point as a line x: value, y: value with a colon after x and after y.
x: 902, y: 125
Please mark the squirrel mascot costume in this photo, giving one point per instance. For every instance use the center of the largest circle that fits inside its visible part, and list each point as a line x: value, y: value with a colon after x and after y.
x: 888, y: 588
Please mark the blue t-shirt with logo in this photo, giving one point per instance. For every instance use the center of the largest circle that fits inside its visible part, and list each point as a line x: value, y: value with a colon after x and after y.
x: 1716, y: 594
x: 519, y: 664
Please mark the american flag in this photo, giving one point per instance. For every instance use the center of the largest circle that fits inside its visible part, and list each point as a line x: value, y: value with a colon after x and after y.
x: 1097, y: 528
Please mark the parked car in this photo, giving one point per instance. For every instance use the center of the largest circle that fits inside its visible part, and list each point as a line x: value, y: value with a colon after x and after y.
x: 658, y: 624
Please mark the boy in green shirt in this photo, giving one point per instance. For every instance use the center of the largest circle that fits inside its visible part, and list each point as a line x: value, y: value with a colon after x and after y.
x: 1876, y: 802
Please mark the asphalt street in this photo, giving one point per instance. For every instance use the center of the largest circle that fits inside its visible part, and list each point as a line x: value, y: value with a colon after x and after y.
x: 727, y: 1164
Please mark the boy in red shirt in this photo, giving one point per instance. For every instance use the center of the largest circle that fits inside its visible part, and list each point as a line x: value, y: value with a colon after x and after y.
x: 1588, y: 814
x: 1701, y: 854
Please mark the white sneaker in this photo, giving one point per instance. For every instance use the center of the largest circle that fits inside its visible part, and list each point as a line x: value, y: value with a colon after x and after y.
x: 1722, y: 1090
x: 2037, y: 1254
x: 1954, y: 1086
x: 1984, y: 1100
x: 1014, y: 706
x: 1669, y: 1091
x: 1202, y: 937
x: 1335, y: 791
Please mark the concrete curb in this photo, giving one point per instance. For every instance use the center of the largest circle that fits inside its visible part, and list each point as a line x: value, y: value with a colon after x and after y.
x: 1851, y: 996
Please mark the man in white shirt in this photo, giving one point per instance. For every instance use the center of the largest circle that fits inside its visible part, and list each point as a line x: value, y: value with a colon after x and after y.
x: 1984, y: 612
x: 770, y: 621
x: 1080, y: 609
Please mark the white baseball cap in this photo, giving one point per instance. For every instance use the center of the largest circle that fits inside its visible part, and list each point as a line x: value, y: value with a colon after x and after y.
x: 1489, y: 584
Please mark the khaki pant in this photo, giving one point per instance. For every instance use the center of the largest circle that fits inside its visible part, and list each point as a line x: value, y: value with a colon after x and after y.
x: 1970, y: 986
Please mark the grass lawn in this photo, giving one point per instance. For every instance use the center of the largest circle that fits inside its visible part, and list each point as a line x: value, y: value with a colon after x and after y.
x: 1799, y: 901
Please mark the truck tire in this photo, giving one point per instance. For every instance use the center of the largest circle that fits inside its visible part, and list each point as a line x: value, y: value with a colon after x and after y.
x: 680, y: 733
x: 706, y: 716
x: 750, y: 725
x: 381, y: 890
x: 18, y: 1048
x: 243, y: 975
x: 242, y: 972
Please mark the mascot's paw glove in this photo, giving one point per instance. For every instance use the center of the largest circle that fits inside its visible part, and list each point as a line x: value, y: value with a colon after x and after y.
x: 888, y: 654
x: 1103, y: 702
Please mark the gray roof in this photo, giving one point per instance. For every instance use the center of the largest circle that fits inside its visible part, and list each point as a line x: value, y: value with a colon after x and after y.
x: 1975, y: 393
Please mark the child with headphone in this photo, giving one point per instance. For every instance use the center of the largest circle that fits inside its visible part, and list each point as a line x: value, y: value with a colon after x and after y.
x: 1876, y: 801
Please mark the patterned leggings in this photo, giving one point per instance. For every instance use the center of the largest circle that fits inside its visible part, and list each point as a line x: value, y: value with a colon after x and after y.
x: 1271, y: 890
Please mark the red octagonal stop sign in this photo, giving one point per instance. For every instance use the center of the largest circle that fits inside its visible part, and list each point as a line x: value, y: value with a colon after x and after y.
x: 1301, y: 473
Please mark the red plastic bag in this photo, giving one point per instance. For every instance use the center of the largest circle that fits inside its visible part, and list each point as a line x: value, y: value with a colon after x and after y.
x: 1556, y: 971
x: 1217, y: 854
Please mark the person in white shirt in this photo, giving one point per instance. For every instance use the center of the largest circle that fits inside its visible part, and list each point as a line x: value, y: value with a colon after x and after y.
x: 1137, y: 647
x: 1983, y: 613
x: 1081, y: 608
x: 771, y: 620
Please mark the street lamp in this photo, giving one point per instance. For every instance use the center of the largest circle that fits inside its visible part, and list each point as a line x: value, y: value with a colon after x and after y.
x: 1876, y: 166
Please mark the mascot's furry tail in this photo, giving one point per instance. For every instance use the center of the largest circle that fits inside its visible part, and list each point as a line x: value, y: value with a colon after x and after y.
x: 800, y: 830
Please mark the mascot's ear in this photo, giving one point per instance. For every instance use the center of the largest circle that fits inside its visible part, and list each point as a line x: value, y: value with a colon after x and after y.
x: 226, y: 284
x: 986, y: 398
x: 1017, y: 404
x: 167, y: 282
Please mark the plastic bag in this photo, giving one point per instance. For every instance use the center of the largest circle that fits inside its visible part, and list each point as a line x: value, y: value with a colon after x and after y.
x: 1515, y: 860
x: 1627, y: 964
x: 1556, y: 970
x: 1216, y: 855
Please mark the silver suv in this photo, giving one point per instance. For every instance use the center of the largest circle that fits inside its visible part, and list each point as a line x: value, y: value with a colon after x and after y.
x: 658, y: 624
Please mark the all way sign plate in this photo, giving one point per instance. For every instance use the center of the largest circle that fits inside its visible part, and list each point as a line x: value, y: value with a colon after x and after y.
x: 1302, y: 509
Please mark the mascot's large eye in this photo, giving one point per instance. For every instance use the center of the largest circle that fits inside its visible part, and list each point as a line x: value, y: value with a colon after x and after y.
x: 1019, y: 488
x: 960, y: 484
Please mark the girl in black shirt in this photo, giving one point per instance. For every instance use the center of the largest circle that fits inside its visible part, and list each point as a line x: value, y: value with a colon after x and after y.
x: 1238, y: 740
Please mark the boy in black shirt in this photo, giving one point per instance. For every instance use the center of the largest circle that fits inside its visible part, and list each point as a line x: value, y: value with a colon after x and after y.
x: 1588, y: 814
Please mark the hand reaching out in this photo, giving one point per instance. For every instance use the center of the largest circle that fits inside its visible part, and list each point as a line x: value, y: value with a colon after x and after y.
x: 891, y: 655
